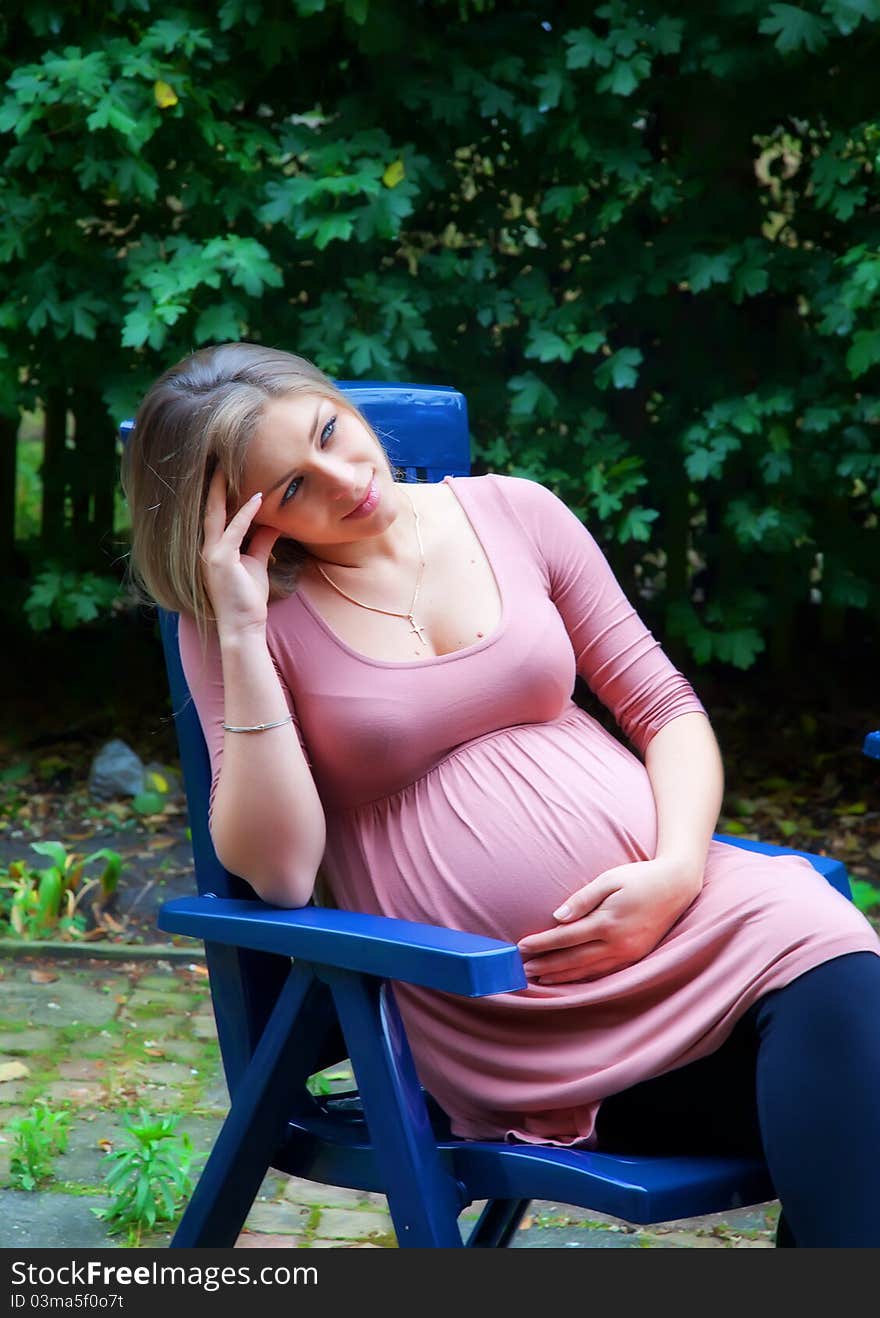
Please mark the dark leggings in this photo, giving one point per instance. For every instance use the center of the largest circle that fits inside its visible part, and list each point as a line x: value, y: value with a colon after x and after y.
x: 797, y: 1081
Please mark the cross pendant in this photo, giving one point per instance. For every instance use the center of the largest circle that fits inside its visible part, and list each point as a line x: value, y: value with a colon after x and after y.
x: 416, y: 629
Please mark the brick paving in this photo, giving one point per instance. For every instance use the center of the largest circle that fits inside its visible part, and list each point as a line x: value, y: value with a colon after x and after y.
x: 104, y: 1039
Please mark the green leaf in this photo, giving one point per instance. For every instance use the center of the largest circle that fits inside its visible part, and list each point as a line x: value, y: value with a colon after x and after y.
x: 331, y: 228
x: 112, y: 869
x: 550, y: 86
x: 562, y: 201
x: 619, y: 369
x: 775, y: 467
x: 847, y: 14
x: 136, y: 179
x: 795, y: 29
x: 864, y: 353
x: 704, y: 270
x: 220, y: 324
x: 739, y: 647
x: 636, y: 524
x: 176, y: 34
x: 548, y: 347
x: 357, y: 10
x: 585, y: 48
x: 148, y: 803
x: 707, y: 462
x: 54, y: 850
x: 665, y: 34
x: 625, y: 76
x: 109, y: 113
x: 531, y: 396
x: 137, y: 327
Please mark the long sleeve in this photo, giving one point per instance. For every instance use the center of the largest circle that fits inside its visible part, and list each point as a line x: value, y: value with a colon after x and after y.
x: 616, y: 654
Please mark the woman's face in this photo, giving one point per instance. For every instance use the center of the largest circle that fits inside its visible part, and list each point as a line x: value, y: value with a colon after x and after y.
x: 315, y: 463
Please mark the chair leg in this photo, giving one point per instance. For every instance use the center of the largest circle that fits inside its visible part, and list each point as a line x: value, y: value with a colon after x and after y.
x: 497, y: 1223
x: 253, y: 1129
x: 424, y: 1198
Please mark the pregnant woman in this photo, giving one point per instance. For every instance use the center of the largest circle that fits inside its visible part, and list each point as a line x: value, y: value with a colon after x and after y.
x: 384, y: 677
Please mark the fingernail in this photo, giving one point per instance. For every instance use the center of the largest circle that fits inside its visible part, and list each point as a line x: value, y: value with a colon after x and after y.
x: 562, y: 912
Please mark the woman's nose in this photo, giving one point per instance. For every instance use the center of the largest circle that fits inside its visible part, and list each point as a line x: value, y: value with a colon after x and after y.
x: 342, y: 478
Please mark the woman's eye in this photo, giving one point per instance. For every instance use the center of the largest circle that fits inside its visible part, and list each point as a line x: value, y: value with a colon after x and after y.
x: 326, y: 436
x: 291, y: 490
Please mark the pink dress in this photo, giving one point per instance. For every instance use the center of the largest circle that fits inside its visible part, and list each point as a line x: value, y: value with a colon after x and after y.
x: 468, y: 790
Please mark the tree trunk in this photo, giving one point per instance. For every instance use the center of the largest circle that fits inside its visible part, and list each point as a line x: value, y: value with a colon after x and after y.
x: 54, y: 471
x: 95, y: 478
x: 8, y: 441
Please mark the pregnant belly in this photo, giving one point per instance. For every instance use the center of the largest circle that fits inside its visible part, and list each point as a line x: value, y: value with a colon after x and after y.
x: 496, y: 835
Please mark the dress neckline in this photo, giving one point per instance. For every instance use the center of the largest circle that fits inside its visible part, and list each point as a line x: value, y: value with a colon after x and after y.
x: 430, y: 659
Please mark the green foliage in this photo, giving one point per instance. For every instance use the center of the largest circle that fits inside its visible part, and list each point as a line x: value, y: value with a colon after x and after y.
x: 68, y: 599
x: 641, y: 240
x: 38, y: 1137
x: 865, y: 895
x: 150, y: 1179
x: 28, y: 490
x: 45, y: 903
x: 148, y: 803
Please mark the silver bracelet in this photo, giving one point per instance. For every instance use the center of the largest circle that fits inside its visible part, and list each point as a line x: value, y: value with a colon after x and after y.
x: 260, y: 727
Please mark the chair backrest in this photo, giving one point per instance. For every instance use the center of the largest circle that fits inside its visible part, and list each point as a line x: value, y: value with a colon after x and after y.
x: 424, y: 429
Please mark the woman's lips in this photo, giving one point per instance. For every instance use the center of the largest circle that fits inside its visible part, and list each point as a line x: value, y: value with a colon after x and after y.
x: 367, y: 504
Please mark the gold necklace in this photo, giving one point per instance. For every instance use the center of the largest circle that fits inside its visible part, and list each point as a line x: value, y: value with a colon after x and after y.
x: 416, y: 628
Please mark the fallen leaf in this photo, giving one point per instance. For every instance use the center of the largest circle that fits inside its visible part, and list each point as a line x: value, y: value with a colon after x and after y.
x: 13, y: 1071
x: 43, y: 977
x: 106, y: 921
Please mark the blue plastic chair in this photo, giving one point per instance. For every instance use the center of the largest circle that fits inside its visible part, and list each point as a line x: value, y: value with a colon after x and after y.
x: 297, y: 991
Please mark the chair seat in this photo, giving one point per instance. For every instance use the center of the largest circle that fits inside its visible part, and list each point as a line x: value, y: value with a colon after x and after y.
x: 643, y: 1189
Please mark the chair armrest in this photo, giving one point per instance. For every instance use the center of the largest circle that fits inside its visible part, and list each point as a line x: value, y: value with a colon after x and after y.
x: 424, y: 954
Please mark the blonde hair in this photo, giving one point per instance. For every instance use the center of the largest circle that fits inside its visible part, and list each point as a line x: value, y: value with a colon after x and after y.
x: 201, y: 412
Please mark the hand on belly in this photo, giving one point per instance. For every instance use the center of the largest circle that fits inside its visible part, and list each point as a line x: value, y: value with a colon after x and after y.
x: 610, y: 923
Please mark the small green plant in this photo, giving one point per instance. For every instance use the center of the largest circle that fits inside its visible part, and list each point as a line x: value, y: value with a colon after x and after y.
x: 150, y: 1178
x: 37, y: 903
x: 39, y: 1136
x: 68, y: 599
x: 865, y: 896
